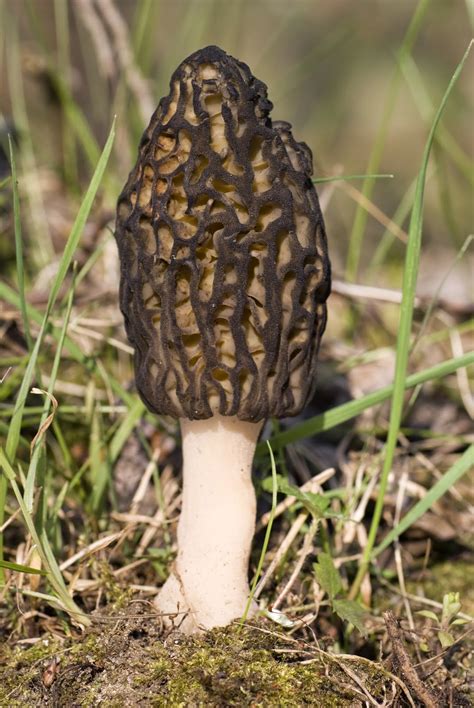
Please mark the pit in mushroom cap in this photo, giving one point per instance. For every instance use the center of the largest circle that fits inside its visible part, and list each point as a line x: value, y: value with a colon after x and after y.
x: 225, y: 271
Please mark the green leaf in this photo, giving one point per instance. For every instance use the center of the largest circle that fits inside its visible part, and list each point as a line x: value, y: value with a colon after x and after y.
x: 351, y: 611
x: 316, y: 504
x: 327, y: 575
x: 21, y: 568
x: 267, y: 483
x: 446, y: 639
x: 430, y: 615
x: 451, y: 607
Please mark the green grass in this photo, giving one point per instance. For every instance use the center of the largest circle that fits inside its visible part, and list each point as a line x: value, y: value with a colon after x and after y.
x: 13, y: 436
x: 410, y: 275
x: 20, y: 270
x: 347, y: 411
x: 463, y: 465
x: 360, y: 218
x: 43, y: 547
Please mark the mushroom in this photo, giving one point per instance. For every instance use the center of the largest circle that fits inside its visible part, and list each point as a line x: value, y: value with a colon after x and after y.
x: 224, y: 279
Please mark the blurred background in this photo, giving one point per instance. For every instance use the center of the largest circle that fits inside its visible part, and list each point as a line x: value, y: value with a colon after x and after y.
x: 359, y: 81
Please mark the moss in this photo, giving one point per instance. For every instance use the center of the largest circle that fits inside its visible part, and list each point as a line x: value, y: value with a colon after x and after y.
x: 449, y: 576
x: 225, y: 668
x: 19, y: 667
x: 124, y: 660
x: 118, y: 596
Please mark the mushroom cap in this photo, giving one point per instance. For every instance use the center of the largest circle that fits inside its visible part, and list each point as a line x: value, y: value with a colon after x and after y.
x: 224, y: 264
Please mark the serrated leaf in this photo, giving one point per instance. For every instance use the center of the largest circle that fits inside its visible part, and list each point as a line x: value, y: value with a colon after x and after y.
x: 427, y: 613
x: 316, y: 504
x: 446, y: 639
x: 319, y: 502
x: 327, y: 575
x: 267, y: 483
x: 351, y: 611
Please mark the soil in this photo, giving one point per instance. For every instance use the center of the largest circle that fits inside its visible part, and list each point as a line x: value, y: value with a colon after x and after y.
x: 126, y: 659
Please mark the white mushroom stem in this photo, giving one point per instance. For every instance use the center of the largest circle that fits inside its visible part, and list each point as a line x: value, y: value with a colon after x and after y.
x: 209, y: 586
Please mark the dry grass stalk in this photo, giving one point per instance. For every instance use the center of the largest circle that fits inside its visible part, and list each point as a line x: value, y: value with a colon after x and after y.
x: 398, y: 555
x: 92, y: 548
x: 303, y: 553
x: 121, y: 39
x: 281, y: 551
x: 374, y: 211
x: 93, y: 24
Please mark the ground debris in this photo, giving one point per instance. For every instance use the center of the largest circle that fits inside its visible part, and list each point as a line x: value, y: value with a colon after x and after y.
x: 403, y: 666
x: 126, y: 659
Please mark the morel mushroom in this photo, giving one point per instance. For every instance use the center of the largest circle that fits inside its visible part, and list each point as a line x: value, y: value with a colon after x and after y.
x: 224, y: 279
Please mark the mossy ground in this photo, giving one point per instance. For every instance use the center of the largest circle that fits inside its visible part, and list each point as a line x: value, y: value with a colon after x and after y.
x: 127, y: 660
x: 445, y: 576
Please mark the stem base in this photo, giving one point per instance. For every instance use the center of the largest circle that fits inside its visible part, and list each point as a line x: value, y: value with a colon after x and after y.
x: 209, y: 585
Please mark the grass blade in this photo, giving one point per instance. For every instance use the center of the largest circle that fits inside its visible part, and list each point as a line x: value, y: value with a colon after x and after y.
x: 82, y: 216
x: 43, y: 548
x: 461, y: 466
x: 388, y: 237
x: 360, y: 219
x: 443, y: 138
x: 346, y: 411
x: 37, y: 448
x: 267, y: 536
x: 19, y: 568
x: 349, y: 178
x: 20, y: 270
x: 410, y: 275
x: 100, y: 470
x: 71, y: 245
x: 137, y: 409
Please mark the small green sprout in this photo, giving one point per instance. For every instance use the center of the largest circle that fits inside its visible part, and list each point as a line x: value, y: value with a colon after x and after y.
x: 447, y: 620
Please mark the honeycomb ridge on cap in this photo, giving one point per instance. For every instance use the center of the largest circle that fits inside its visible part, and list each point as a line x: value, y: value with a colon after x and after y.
x: 224, y: 264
